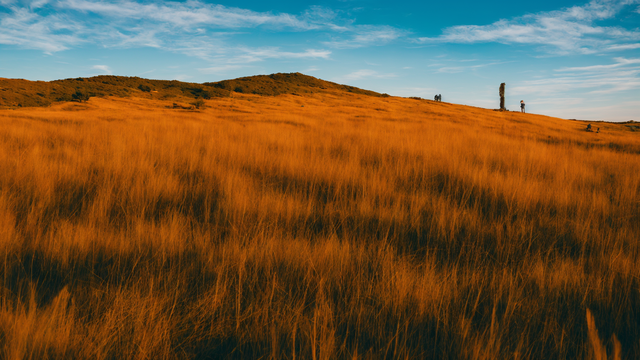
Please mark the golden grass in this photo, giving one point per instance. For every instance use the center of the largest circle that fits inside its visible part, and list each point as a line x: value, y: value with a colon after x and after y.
x: 317, y: 227
x: 599, y: 351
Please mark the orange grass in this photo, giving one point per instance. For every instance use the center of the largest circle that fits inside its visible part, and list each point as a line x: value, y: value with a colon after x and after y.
x: 330, y: 226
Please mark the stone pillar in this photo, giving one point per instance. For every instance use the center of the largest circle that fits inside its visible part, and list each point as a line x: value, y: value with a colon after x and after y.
x: 502, y: 97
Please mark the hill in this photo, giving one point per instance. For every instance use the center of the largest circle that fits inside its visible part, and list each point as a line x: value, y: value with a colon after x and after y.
x: 279, y: 84
x: 24, y: 93
x: 333, y: 225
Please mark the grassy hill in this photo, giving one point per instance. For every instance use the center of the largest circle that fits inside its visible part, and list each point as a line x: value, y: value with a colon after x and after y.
x: 278, y: 84
x: 24, y: 93
x: 332, y: 225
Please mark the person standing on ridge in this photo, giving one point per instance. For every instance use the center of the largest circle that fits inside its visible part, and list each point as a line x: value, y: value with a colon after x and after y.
x: 522, y: 106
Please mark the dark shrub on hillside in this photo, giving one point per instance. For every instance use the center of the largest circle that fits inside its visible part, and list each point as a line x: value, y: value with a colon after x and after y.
x: 80, y: 96
x: 200, y: 93
x: 198, y: 103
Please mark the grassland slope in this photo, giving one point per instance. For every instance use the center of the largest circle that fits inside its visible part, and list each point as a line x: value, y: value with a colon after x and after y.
x: 327, y: 226
x: 24, y: 93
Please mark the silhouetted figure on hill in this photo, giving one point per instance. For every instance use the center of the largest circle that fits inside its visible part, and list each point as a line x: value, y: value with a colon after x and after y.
x: 522, y: 106
x: 598, y: 130
x: 439, y: 97
x: 435, y: 98
x: 589, y: 127
x: 502, y: 97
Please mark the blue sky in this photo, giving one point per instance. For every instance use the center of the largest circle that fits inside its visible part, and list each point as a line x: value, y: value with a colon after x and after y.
x: 571, y: 59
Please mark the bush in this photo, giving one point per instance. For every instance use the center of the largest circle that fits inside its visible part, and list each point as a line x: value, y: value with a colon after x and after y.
x: 199, y: 103
x: 144, y: 88
x: 205, y: 94
x: 81, y: 96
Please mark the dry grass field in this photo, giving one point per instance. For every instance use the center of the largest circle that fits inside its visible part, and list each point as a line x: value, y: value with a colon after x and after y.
x: 324, y: 226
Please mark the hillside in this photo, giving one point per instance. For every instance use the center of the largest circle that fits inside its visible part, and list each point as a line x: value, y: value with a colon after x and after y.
x: 24, y: 93
x: 279, y: 84
x: 332, y: 225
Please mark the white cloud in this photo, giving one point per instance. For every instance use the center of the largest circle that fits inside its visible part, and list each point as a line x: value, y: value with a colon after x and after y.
x: 252, y: 55
x: 248, y: 56
x: 27, y: 29
x: 607, y: 112
x: 620, y: 62
x: 189, y: 14
x: 570, y: 30
x: 624, y: 47
x: 182, y: 77
x: 321, y: 16
x: 459, y: 69
x: 221, y: 69
x: 103, y: 69
x: 367, y: 74
x: 194, y: 28
x: 364, y: 35
x: 38, y: 3
x: 621, y: 76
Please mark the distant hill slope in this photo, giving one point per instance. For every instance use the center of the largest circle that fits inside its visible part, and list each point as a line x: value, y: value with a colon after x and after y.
x: 281, y: 83
x: 25, y: 93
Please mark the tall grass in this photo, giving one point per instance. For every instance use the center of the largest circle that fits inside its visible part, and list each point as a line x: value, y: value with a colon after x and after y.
x: 319, y: 227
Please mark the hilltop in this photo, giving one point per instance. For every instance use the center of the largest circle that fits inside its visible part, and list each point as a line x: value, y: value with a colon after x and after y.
x: 25, y: 93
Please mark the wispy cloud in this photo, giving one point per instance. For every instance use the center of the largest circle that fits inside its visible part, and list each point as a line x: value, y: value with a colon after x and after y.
x: 182, y: 77
x: 250, y: 55
x: 25, y: 28
x: 367, y: 74
x: 364, y: 35
x: 221, y: 69
x: 624, y: 47
x: 571, y: 30
x: 620, y: 62
x: 246, y: 56
x: 620, y: 76
x: 194, y: 27
x: 104, y: 69
x: 459, y: 69
x: 598, y: 111
x: 187, y: 15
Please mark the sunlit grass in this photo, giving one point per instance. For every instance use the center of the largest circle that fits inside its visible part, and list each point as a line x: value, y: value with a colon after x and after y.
x: 318, y: 227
